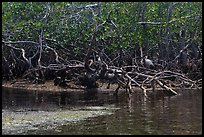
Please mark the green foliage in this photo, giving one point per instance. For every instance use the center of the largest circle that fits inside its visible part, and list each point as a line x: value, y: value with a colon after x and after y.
x: 68, y: 22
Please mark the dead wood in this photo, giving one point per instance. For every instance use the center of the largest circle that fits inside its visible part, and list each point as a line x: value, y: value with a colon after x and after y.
x: 38, y: 64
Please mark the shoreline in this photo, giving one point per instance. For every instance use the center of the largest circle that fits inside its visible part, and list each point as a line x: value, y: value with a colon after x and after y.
x: 49, y: 86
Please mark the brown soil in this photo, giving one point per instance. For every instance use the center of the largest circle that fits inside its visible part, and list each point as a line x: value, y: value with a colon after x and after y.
x: 49, y: 86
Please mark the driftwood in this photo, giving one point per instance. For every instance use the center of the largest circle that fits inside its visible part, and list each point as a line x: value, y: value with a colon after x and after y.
x: 34, y: 61
x: 82, y: 71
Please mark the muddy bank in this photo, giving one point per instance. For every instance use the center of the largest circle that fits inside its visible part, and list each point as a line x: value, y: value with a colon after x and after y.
x: 49, y: 86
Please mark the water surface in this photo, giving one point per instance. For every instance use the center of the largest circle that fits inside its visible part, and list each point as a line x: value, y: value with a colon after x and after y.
x: 101, y: 113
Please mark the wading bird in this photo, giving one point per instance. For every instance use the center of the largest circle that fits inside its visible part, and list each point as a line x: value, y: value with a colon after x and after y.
x: 148, y: 63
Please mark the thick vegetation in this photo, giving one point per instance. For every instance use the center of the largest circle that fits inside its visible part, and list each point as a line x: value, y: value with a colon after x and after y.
x: 96, y: 41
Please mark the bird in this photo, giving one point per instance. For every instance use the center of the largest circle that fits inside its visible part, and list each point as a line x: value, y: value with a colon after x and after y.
x: 148, y: 63
x: 88, y: 64
x: 111, y: 75
x: 98, y: 59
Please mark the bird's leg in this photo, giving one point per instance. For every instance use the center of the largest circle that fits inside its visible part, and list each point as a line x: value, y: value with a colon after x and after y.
x: 117, y: 89
x: 109, y: 85
x: 129, y: 87
x: 153, y: 85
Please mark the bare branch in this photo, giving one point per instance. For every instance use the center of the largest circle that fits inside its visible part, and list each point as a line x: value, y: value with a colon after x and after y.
x: 19, y: 42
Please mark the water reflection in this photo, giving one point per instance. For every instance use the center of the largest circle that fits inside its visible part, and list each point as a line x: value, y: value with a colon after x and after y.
x: 181, y: 114
x: 15, y: 99
x: 158, y: 114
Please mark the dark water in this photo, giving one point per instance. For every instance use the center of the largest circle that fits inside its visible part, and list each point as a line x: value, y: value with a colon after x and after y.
x: 157, y: 115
